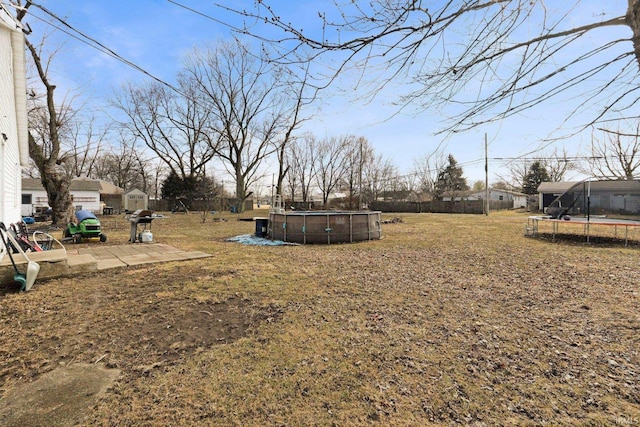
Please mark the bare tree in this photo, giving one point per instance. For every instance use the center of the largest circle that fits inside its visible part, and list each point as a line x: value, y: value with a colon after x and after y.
x: 557, y: 164
x: 515, y: 171
x: 502, y: 185
x: 378, y: 174
x: 410, y: 182
x: 301, y: 167
x: 616, y: 155
x: 427, y: 168
x: 492, y: 58
x: 330, y: 164
x: 478, y: 185
x: 298, y: 89
x: 47, y: 121
x: 84, y: 147
x: 124, y: 166
x: 172, y: 125
x: 358, y: 153
x: 248, y: 99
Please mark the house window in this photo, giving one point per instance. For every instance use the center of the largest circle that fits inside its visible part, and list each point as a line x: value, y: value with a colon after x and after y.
x: 501, y: 198
x: 26, y: 199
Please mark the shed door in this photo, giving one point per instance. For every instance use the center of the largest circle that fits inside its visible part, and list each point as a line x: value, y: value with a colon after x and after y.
x: 547, y: 198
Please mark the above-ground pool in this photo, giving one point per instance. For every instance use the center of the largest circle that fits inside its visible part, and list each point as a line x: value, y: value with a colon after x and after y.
x: 325, y: 227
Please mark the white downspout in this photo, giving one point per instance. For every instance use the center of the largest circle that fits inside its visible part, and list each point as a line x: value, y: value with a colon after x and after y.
x: 20, y: 95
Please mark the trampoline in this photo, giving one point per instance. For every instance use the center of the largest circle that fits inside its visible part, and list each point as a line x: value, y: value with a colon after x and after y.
x: 602, y: 208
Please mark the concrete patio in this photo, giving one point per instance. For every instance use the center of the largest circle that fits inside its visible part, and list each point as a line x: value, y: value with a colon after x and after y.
x: 61, y: 262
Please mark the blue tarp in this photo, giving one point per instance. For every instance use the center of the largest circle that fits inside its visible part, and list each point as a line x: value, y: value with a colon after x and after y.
x: 252, y: 239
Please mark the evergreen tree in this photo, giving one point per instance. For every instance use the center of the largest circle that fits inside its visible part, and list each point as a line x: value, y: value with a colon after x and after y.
x: 175, y: 187
x: 450, y: 181
x: 532, y: 179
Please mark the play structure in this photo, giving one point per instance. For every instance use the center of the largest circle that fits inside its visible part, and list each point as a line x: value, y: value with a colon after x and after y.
x: 87, y: 227
x: 603, y: 208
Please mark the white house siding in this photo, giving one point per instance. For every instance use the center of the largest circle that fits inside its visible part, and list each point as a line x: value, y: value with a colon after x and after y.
x: 37, y: 199
x: 10, y: 134
x: 519, y: 200
x: 85, y: 195
x: 86, y: 200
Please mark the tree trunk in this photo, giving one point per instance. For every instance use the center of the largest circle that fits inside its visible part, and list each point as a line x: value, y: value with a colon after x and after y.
x: 55, y: 184
x: 633, y: 20
x: 59, y: 198
x: 240, y: 191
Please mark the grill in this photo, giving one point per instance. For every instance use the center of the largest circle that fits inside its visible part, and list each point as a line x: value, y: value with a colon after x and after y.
x: 141, y: 216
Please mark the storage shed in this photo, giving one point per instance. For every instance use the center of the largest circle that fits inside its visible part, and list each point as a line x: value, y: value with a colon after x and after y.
x: 621, y: 197
x: 134, y: 200
x: 548, y: 191
x: 110, y: 197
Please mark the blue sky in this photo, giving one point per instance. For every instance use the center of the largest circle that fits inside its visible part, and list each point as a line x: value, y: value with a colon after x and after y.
x: 156, y: 34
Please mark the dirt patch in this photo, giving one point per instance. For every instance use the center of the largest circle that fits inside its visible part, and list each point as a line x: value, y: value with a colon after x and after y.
x: 132, y: 322
x: 60, y: 397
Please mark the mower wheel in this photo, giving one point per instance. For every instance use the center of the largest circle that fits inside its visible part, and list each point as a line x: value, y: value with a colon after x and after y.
x: 77, y: 238
x: 66, y: 233
x: 103, y: 237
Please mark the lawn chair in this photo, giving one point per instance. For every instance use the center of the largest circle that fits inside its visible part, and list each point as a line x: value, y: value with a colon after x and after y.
x: 21, y: 235
x: 11, y: 246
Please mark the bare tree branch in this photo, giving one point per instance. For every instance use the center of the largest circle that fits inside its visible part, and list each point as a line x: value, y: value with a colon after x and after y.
x: 490, y: 59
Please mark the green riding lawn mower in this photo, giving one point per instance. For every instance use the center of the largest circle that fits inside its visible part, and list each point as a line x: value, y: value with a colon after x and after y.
x: 87, y: 227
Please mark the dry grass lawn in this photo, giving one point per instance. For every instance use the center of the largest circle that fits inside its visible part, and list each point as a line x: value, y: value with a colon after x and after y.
x: 449, y: 319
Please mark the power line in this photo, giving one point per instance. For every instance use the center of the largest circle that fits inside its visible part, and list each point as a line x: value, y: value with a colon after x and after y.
x: 92, y: 42
x: 204, y: 15
x: 559, y: 159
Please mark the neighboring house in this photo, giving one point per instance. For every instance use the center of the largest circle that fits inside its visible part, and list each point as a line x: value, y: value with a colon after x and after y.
x: 85, y: 195
x: 14, y: 144
x: 519, y: 200
x: 463, y: 195
x: 134, y: 200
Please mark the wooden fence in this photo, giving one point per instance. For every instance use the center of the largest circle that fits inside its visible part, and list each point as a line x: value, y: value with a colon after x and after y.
x: 436, y: 206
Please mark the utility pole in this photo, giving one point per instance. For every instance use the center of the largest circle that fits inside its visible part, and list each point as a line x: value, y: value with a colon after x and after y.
x: 486, y: 176
x: 360, y: 178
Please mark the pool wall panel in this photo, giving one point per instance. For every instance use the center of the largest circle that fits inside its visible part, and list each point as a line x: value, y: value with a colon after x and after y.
x: 320, y: 227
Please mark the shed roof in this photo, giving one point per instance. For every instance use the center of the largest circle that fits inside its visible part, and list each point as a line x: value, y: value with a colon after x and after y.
x: 612, y: 185
x: 109, y: 188
x: 556, y: 187
x: 31, y: 184
x: 85, y: 184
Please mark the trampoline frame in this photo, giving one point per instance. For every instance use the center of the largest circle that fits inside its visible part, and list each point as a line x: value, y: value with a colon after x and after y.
x: 532, y: 227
